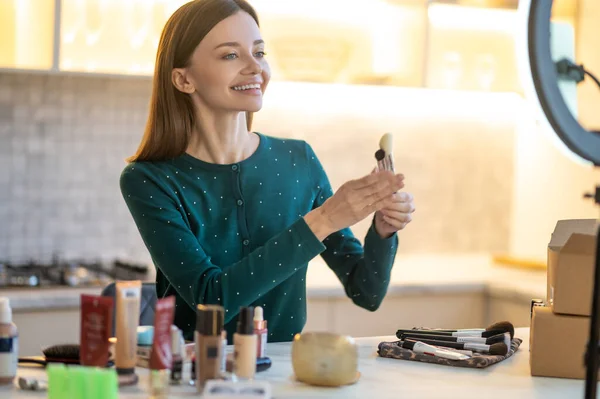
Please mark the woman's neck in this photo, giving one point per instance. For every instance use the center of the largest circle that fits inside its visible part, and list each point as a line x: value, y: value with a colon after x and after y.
x: 222, y: 139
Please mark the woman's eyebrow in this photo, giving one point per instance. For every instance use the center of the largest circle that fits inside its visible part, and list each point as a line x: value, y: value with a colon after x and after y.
x: 236, y: 44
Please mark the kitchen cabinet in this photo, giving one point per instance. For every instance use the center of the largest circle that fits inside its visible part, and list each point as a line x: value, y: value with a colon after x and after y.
x: 27, y: 34
x: 459, y: 59
x: 340, y: 315
x: 517, y: 310
x: 465, y: 45
x: 351, y: 42
x: 110, y: 36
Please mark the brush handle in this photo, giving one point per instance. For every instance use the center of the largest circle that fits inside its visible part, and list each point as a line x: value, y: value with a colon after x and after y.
x: 33, y: 360
x: 446, y: 338
x: 458, y: 345
x: 389, y: 161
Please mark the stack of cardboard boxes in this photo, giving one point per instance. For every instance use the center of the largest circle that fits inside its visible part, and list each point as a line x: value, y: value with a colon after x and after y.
x: 560, y: 327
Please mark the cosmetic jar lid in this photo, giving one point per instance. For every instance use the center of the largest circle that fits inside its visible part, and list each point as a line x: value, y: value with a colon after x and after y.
x: 209, y: 319
x: 245, y: 324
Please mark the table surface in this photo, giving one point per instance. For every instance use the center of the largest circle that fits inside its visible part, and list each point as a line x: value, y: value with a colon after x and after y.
x: 386, y: 378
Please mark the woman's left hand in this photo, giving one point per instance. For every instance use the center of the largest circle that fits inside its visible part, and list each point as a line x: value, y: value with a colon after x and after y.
x: 395, y: 217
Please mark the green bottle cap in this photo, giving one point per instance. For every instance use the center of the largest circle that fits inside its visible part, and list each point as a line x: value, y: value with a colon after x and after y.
x: 105, y: 384
x: 58, y: 387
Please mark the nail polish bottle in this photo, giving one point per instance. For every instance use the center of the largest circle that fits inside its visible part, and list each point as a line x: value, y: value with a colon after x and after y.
x: 244, y: 345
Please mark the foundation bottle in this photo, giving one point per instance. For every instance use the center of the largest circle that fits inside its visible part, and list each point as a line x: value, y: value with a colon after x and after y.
x: 244, y: 345
x: 209, y: 353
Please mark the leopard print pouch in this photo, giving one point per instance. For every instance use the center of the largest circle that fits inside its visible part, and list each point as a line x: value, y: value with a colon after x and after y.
x: 478, y: 360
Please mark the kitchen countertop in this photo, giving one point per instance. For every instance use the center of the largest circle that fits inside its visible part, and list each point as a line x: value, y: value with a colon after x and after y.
x: 387, y: 378
x: 411, y: 275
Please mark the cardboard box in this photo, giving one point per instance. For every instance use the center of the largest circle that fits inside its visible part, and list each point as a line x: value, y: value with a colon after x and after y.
x: 557, y: 344
x: 571, y: 262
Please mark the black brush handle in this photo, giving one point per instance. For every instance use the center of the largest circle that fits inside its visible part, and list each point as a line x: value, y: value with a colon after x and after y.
x: 418, y: 337
x: 33, y: 360
x: 399, y: 333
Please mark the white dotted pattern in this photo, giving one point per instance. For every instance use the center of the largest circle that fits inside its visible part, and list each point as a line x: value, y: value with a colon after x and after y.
x: 340, y: 243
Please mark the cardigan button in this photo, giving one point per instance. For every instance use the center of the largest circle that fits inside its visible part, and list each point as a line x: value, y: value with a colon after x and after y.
x: 246, y: 242
x: 234, y: 167
x: 240, y: 202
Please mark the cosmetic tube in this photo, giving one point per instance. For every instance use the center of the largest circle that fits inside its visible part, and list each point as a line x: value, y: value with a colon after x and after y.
x: 96, y: 328
x: 161, y: 356
x: 128, y: 313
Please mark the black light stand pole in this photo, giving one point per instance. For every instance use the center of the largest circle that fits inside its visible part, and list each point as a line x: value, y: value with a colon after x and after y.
x: 592, y: 354
x: 545, y: 73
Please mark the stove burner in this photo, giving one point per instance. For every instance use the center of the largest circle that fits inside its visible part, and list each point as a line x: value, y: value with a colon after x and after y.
x: 69, y: 273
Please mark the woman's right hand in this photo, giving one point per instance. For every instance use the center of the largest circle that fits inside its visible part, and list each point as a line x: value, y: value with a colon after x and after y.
x: 353, y: 202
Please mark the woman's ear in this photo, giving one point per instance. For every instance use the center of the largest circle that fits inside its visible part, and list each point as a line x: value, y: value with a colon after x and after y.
x: 181, y: 82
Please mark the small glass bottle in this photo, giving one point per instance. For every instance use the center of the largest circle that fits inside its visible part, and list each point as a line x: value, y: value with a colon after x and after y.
x: 176, y: 350
x: 159, y: 384
x: 9, y: 345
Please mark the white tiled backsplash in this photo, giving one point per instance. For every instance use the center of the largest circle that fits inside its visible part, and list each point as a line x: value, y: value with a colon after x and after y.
x: 63, y: 141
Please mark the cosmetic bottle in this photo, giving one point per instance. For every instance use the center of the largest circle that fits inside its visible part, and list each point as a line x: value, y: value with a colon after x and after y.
x: 177, y: 346
x: 9, y: 348
x: 260, y: 329
x: 224, y: 352
x: 209, y: 327
x: 244, y: 345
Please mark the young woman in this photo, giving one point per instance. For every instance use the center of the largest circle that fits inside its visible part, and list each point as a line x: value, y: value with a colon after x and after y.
x: 231, y: 216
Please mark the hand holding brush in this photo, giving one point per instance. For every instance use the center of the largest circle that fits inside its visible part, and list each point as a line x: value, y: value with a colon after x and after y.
x: 398, y: 214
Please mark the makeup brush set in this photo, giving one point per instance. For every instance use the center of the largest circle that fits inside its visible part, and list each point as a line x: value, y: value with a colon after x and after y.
x: 476, y: 348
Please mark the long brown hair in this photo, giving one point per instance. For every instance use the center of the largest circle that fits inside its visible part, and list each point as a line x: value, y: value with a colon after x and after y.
x: 171, y: 116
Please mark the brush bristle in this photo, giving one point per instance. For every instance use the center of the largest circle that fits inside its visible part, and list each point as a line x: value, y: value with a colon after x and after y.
x: 62, y: 353
x: 499, y: 349
x: 505, y: 326
x: 495, y: 339
x: 386, y: 143
x: 491, y: 333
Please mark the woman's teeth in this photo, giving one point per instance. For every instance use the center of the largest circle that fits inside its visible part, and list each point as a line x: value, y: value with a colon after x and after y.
x: 247, y: 87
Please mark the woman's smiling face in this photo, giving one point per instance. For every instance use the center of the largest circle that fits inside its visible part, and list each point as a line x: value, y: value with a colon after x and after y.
x: 227, y: 69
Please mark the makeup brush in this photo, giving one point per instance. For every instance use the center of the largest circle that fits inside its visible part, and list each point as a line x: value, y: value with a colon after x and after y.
x: 498, y: 348
x: 503, y: 326
x: 482, y: 334
x: 66, y: 354
x: 386, y: 144
x: 380, y: 156
x: 430, y: 350
x: 478, y: 340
